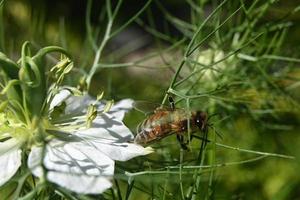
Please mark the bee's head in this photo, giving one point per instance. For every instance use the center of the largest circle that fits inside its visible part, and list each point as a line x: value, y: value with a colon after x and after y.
x: 201, y: 120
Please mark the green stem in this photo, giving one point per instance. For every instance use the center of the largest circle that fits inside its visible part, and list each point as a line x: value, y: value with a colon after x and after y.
x: 187, y: 52
x: 108, y: 34
x: 180, y: 174
x: 188, y: 168
x: 255, y: 152
x: 99, y: 52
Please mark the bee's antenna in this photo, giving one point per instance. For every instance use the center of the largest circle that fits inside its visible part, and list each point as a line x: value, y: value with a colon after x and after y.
x: 210, y: 125
x: 201, y: 138
x: 212, y: 115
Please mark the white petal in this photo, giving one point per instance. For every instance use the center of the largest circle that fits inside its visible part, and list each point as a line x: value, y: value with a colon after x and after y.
x: 77, y: 157
x: 34, y: 161
x: 59, y: 98
x: 9, y: 164
x: 111, y: 136
x: 106, y: 127
x: 79, y: 104
x: 9, y: 145
x: 80, y: 183
x: 120, y: 108
x: 74, y: 163
x: 75, y: 104
x: 122, y: 151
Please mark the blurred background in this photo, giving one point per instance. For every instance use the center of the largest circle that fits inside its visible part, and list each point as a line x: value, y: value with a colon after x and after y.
x: 247, y: 64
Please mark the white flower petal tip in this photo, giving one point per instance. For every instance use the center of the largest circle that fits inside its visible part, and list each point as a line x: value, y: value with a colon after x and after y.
x: 120, y: 108
x: 122, y: 151
x: 124, y: 104
x: 9, y: 165
x: 149, y: 150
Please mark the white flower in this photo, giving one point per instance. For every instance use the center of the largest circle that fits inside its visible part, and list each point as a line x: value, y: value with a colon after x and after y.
x: 78, y: 157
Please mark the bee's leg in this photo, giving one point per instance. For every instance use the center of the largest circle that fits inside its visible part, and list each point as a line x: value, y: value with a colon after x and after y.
x: 203, y: 145
x: 172, y: 104
x: 199, y: 138
x: 204, y: 142
x: 181, y: 142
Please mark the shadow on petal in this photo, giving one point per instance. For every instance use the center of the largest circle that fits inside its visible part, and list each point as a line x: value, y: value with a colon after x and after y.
x: 82, y: 184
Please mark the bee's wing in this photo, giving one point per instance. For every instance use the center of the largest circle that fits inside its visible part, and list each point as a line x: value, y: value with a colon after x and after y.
x: 149, y: 107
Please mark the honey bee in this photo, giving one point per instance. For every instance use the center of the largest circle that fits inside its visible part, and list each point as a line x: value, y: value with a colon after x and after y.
x: 167, y: 121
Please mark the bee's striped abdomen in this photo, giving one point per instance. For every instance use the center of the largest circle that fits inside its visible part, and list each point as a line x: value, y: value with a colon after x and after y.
x: 152, y: 129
